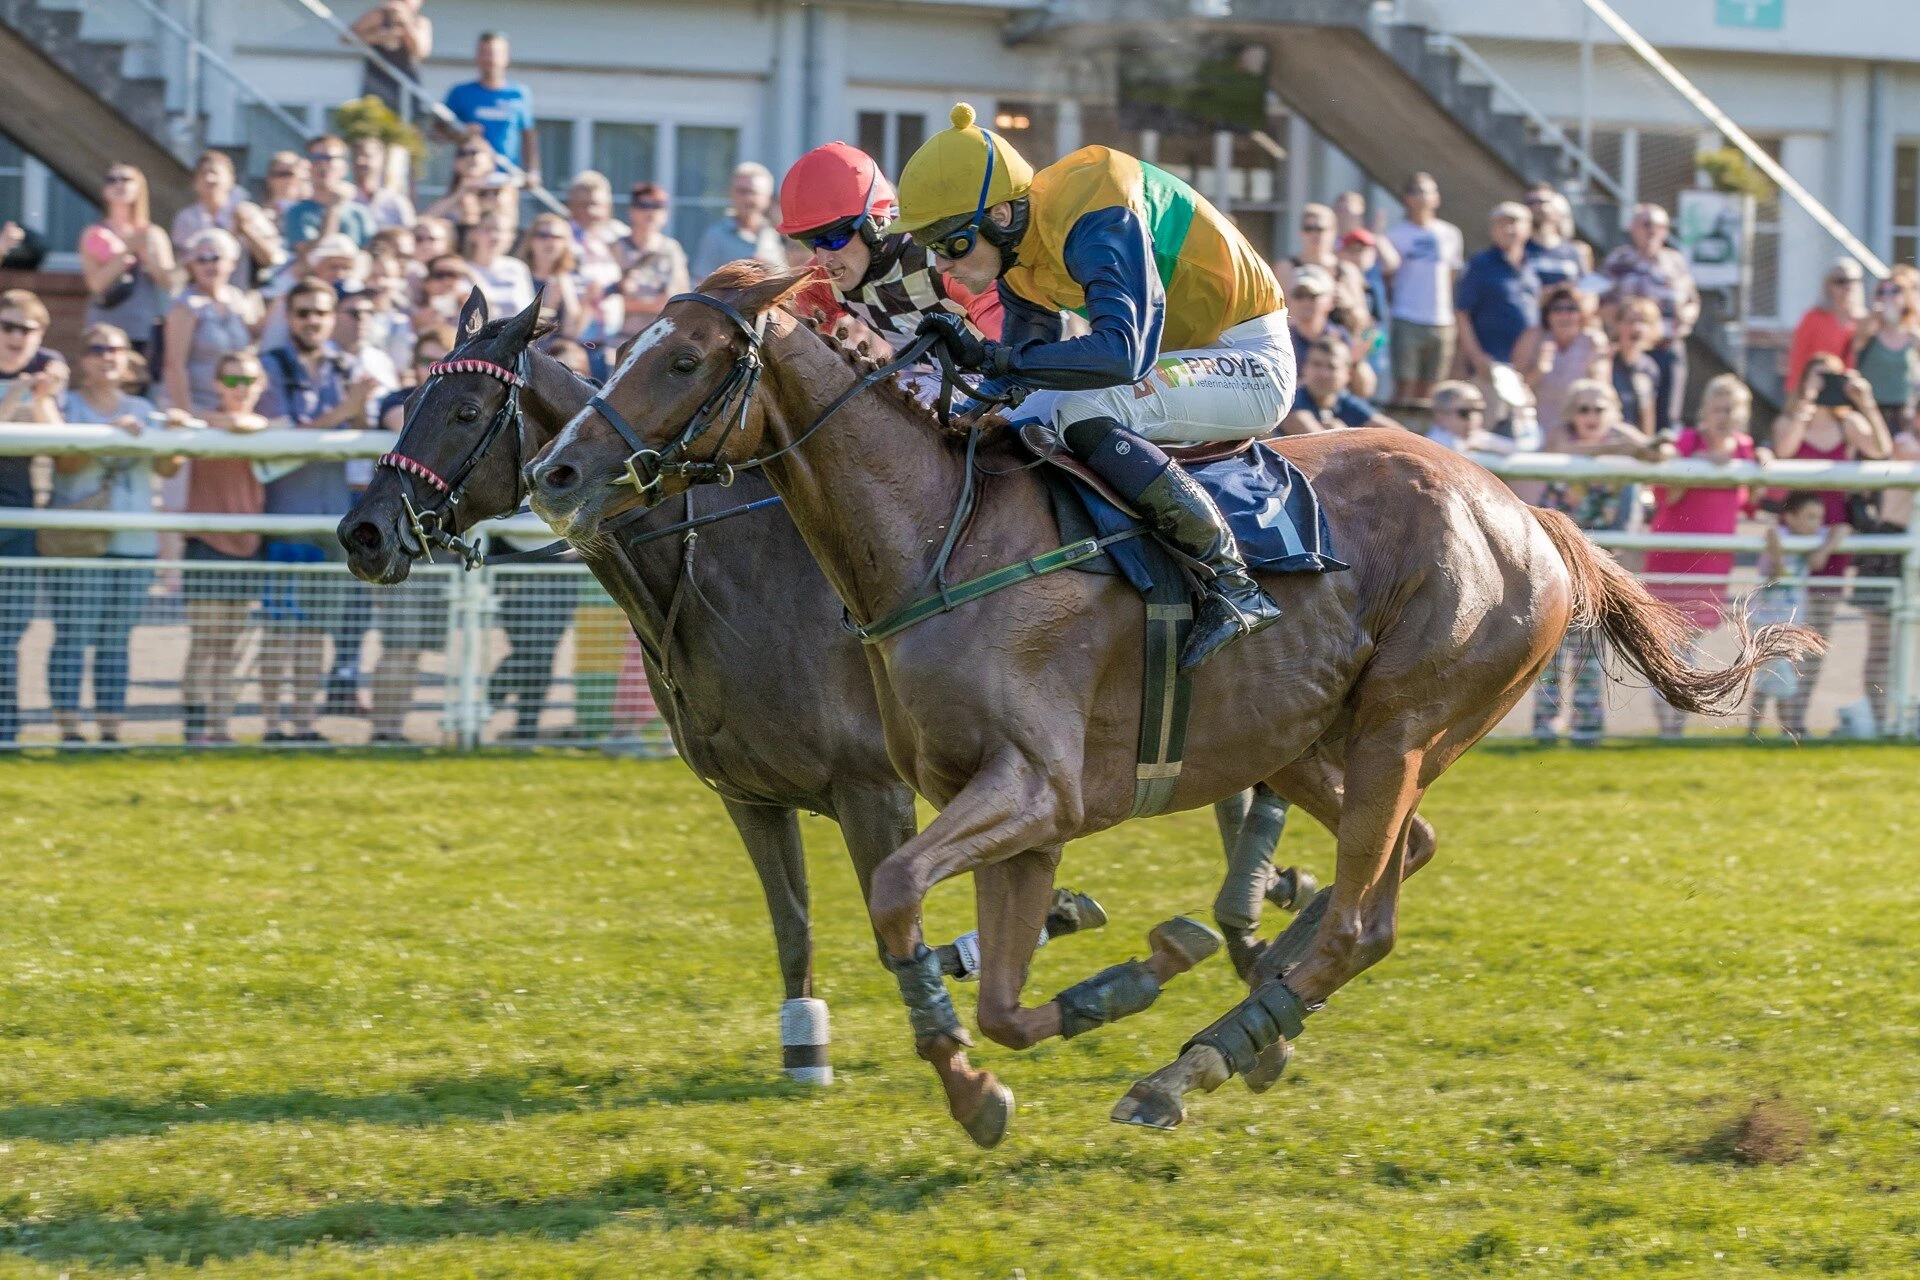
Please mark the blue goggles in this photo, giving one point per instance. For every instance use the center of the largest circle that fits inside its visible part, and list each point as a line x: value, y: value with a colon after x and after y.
x: 842, y: 236
x: 956, y: 245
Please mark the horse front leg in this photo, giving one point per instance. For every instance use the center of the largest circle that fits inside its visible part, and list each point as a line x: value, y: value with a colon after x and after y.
x: 1004, y: 810
x: 772, y: 836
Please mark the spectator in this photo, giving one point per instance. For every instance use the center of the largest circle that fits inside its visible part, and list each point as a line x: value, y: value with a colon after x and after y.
x: 1565, y: 347
x: 1887, y: 513
x: 479, y: 187
x: 548, y: 250
x: 401, y: 34
x: 374, y: 183
x: 1460, y: 420
x: 502, y: 111
x: 32, y: 380
x: 289, y: 181
x: 211, y: 318
x: 1557, y: 257
x: 1830, y: 416
x: 1650, y: 268
x: 1310, y: 316
x: 505, y: 280
x: 219, y: 204
x: 653, y: 266
x: 1360, y: 249
x: 1349, y: 216
x: 358, y: 333
x: 745, y: 231
x: 1319, y: 247
x: 391, y: 292
x: 1635, y: 377
x: 1827, y: 327
x: 1430, y: 252
x: 311, y: 383
x: 98, y: 607
x: 1324, y: 402
x: 1783, y: 598
x: 1498, y: 297
x: 1884, y: 347
x: 597, y: 235
x: 1721, y: 437
x: 443, y: 293
x: 432, y: 238
x: 334, y: 207
x: 218, y: 599
x: 126, y: 260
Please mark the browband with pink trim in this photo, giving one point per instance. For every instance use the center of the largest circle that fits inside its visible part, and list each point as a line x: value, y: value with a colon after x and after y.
x: 498, y: 372
x: 401, y: 462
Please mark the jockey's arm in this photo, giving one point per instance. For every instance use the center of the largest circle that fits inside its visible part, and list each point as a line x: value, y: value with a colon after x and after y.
x: 1110, y: 255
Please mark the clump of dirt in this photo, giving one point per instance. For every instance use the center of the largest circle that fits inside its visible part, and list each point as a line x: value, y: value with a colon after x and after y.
x: 1771, y: 1131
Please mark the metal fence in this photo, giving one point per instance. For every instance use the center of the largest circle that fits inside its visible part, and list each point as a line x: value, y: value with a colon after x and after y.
x: 294, y: 650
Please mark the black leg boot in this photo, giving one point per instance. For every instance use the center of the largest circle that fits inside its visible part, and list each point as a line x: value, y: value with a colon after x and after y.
x: 1182, y: 515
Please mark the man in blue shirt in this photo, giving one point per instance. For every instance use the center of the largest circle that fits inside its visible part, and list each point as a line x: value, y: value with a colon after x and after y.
x: 1323, y: 401
x: 502, y: 111
x: 1498, y: 297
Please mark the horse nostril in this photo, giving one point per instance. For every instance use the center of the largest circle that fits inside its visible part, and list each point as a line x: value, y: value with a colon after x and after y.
x: 365, y: 536
x: 556, y: 478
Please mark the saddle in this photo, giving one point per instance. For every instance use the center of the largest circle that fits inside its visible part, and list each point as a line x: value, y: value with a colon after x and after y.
x: 1040, y: 443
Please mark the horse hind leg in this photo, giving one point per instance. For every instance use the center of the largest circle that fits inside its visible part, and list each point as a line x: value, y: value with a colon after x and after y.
x: 1252, y: 880
x: 1354, y: 930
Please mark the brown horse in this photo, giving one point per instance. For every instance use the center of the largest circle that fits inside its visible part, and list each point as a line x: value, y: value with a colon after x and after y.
x: 1017, y: 714
x: 770, y: 744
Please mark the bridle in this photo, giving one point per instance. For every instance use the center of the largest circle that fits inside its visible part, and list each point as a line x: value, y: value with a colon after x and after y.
x: 647, y: 467
x: 430, y: 522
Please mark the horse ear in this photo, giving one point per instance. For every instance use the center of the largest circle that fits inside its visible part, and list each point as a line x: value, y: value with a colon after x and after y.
x: 519, y: 330
x: 764, y: 295
x: 473, y: 315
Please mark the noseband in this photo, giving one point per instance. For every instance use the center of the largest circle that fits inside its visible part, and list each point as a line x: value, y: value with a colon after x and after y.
x: 430, y: 523
x: 647, y: 467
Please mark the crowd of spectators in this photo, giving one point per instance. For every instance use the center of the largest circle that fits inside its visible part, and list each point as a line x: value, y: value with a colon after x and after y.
x: 320, y: 299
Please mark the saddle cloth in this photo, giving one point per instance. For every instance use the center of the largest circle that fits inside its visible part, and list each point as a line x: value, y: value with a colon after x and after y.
x: 1268, y: 503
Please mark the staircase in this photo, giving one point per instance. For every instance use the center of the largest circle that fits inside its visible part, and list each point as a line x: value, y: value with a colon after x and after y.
x: 1395, y: 97
x: 72, y: 103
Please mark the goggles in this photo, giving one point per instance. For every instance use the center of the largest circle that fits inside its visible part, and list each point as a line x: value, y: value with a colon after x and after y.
x: 958, y: 243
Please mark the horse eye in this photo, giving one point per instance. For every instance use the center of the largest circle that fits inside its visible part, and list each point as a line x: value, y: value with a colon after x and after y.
x: 685, y: 362
x: 467, y: 412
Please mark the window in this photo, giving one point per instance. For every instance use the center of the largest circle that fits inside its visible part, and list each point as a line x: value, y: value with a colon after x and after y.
x: 556, y: 165
x: 1032, y: 128
x: 891, y: 138
x: 1906, y: 202
x: 703, y: 166
x: 626, y: 154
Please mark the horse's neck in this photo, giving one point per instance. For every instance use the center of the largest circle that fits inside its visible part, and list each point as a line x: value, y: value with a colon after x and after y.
x: 554, y: 393
x: 872, y: 490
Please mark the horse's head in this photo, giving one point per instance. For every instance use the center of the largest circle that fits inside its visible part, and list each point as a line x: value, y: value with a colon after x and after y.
x: 458, y: 458
x: 679, y: 410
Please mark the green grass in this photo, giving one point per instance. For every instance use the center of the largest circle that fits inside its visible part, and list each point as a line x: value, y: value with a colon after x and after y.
x: 516, y: 1016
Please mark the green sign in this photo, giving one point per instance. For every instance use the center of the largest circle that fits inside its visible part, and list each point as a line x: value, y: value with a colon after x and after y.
x: 1765, y: 15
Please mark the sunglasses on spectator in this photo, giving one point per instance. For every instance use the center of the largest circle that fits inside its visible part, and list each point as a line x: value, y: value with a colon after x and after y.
x: 647, y: 203
x: 358, y: 313
x: 114, y: 179
x: 205, y: 259
x: 15, y: 328
x: 445, y: 275
x: 283, y: 173
x: 1564, y: 309
x: 237, y: 380
x: 1468, y: 411
x: 550, y: 235
x: 468, y: 153
x: 320, y: 157
x: 1315, y: 227
x: 1587, y: 408
x: 308, y: 313
x: 105, y: 349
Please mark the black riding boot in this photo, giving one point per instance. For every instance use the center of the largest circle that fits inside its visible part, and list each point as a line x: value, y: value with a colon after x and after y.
x: 1181, y: 514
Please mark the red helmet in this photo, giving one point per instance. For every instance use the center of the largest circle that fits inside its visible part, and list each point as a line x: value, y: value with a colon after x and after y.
x: 834, y: 184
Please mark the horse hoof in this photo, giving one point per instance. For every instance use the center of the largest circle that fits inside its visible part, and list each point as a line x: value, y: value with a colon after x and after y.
x: 1074, y: 912
x: 1185, y: 939
x: 1292, y: 889
x: 1268, y: 1067
x: 1150, y: 1107
x: 992, y: 1118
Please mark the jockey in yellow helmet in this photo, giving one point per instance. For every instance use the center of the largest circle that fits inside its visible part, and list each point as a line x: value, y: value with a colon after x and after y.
x: 1189, y: 338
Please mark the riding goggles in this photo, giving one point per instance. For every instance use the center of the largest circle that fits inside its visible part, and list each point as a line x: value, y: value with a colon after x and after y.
x: 958, y: 243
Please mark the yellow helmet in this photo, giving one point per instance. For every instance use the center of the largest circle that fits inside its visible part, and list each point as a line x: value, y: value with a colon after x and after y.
x: 950, y: 175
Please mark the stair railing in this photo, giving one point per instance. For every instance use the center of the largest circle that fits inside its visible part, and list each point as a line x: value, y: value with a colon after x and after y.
x: 1553, y: 133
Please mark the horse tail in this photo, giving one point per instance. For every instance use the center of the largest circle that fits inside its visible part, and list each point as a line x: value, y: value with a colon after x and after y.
x: 1654, y: 637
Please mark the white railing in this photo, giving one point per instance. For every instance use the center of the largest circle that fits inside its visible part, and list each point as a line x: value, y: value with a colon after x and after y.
x: 469, y: 603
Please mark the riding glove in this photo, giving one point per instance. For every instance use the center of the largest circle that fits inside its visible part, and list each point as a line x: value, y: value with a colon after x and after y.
x: 968, y: 349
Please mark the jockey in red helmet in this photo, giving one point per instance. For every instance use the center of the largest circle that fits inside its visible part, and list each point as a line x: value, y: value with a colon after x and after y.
x: 836, y: 201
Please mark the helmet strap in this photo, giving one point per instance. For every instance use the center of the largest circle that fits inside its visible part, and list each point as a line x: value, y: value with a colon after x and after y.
x: 1007, y: 239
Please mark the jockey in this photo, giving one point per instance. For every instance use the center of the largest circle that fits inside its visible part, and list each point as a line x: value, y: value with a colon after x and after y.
x: 836, y: 201
x: 1189, y: 338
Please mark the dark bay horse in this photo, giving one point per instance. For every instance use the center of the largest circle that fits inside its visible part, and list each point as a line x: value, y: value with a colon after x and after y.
x: 1016, y: 714
x: 771, y: 738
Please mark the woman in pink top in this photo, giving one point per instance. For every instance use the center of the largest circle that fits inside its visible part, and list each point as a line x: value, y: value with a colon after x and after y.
x: 1831, y: 416
x: 1721, y: 437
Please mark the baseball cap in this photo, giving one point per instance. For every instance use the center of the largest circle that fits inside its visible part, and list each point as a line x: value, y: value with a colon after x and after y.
x: 1312, y: 279
x: 1359, y: 235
